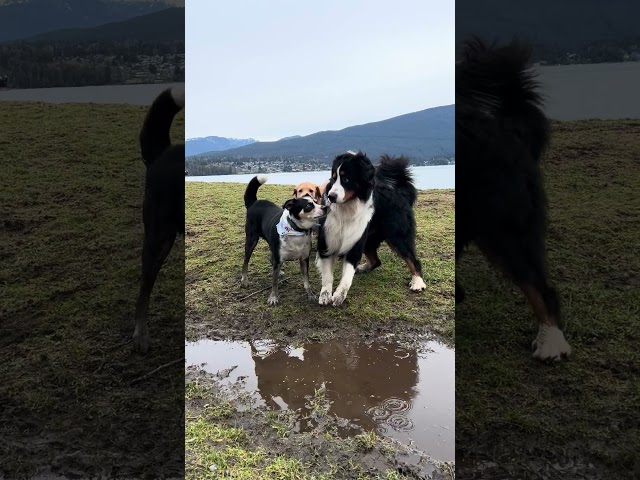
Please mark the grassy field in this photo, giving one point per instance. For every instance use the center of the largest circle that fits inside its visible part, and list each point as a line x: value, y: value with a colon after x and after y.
x: 260, y: 443
x: 70, y: 246
x: 580, y: 419
x: 378, y: 303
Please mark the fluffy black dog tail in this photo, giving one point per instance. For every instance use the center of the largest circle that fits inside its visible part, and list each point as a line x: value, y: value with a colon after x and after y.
x: 498, y: 82
x: 251, y: 193
x: 393, y: 172
x: 155, y: 134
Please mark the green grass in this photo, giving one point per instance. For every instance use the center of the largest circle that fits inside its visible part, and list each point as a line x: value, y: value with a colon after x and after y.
x: 510, y: 409
x: 70, y: 246
x: 260, y: 444
x: 379, y: 302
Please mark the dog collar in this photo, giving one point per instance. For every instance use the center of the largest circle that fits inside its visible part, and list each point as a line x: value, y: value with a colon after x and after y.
x: 287, y: 227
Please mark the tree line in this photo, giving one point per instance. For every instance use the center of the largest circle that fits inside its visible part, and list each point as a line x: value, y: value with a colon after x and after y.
x: 595, y: 52
x: 37, y: 65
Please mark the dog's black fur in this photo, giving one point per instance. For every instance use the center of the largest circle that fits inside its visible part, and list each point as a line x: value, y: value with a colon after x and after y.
x: 391, y: 188
x: 393, y: 221
x: 262, y: 219
x: 501, y: 134
x: 163, y: 204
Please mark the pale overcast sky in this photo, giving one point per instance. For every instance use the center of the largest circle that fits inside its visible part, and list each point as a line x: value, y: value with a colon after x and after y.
x: 271, y: 69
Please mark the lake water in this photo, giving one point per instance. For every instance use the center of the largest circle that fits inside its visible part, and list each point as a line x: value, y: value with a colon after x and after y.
x: 426, y: 178
x: 142, y: 94
x: 579, y: 92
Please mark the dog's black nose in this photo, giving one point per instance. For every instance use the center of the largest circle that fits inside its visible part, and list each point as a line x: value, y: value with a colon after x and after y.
x: 333, y: 197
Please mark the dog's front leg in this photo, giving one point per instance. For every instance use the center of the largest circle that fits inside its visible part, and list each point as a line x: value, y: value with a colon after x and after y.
x: 350, y: 262
x: 325, y: 265
x: 304, y: 268
x: 275, y: 276
x: 348, y: 270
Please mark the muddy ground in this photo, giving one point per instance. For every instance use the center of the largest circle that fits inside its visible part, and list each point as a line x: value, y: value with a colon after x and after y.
x: 70, y: 248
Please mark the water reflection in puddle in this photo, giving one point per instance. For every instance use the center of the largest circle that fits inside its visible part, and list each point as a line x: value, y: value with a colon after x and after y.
x: 379, y: 386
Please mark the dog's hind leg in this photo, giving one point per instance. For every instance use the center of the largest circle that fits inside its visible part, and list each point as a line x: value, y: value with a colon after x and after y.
x: 155, y: 249
x: 523, y: 260
x: 249, y: 246
x: 275, y: 277
x: 405, y: 248
x: 371, y: 254
x: 304, y: 268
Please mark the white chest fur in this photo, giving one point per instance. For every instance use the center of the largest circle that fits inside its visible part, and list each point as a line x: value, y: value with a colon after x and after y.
x: 345, y: 225
x: 294, y: 247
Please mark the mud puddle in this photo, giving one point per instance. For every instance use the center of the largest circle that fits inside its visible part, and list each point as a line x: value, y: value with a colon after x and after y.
x: 379, y: 386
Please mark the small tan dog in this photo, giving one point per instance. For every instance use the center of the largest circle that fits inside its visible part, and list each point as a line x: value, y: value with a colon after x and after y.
x: 310, y: 189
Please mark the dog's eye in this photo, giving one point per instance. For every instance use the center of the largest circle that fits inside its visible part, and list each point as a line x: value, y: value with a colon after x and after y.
x: 308, y: 207
x: 345, y: 180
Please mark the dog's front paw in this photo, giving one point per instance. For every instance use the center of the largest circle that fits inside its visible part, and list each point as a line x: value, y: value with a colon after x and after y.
x: 417, y: 284
x: 244, y: 281
x: 325, y: 297
x: 272, y: 300
x: 140, y: 341
x: 550, y: 344
x: 311, y: 297
x: 339, y: 297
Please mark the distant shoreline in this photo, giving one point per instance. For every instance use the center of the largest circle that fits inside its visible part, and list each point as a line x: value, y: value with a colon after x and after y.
x: 436, y: 177
x: 129, y: 94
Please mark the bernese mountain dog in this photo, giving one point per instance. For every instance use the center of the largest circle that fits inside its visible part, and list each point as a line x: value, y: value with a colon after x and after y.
x: 501, y: 134
x: 367, y: 205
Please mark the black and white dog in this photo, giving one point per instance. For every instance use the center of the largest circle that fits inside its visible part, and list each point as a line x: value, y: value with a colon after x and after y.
x: 367, y: 206
x: 501, y: 134
x: 163, y: 204
x: 287, y: 230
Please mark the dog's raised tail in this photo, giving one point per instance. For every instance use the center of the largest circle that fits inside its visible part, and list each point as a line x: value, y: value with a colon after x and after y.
x: 251, y: 193
x: 155, y: 134
x: 394, y: 172
x: 499, y: 82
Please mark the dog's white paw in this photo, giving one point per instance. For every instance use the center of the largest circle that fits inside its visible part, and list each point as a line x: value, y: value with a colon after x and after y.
x: 550, y: 344
x: 417, y: 284
x: 325, y: 297
x: 141, y: 341
x: 244, y: 281
x: 272, y: 300
x: 339, y: 297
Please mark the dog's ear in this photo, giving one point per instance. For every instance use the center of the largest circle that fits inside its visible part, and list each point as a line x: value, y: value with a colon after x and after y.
x: 318, y: 193
x: 288, y: 204
x: 294, y: 192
